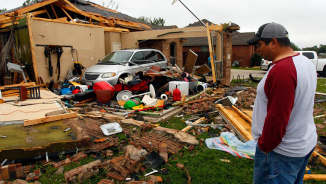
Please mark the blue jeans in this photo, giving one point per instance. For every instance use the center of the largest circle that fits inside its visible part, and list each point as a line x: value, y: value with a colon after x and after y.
x: 276, y: 168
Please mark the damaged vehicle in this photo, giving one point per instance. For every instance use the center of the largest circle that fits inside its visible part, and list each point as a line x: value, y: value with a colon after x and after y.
x: 119, y: 64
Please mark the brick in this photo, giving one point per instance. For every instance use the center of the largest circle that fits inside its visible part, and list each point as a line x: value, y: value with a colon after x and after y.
x: 191, y: 147
x: 19, y: 172
x: 12, y: 171
x: 0, y: 174
x: 106, y: 181
x: 36, y: 178
x: 115, y: 176
x: 27, y: 169
x: 181, y: 166
x: 5, y: 172
x: 159, y: 179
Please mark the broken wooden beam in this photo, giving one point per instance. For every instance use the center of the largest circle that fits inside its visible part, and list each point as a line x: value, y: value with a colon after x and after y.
x: 196, y: 122
x: 55, y: 14
x: 242, y: 114
x: 17, y: 85
x: 314, y: 177
x: 31, y: 41
x: 244, y: 132
x: 50, y: 119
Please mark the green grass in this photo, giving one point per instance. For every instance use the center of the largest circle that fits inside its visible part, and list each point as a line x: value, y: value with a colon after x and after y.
x: 243, y: 82
x: 321, y: 85
x: 241, y: 68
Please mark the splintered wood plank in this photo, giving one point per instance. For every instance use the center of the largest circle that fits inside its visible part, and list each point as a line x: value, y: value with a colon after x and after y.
x: 314, y: 177
x: 242, y: 114
x: 31, y: 40
x: 110, y: 29
x: 55, y: 14
x: 35, y: 6
x: 50, y: 119
x: 67, y: 14
x: 191, y: 61
x: 211, y: 52
x: 35, y: 13
x: 47, y: 12
x: 17, y: 85
x: 8, y: 24
x: 237, y: 121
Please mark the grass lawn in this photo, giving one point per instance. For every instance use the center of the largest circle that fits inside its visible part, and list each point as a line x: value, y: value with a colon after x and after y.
x: 241, y: 68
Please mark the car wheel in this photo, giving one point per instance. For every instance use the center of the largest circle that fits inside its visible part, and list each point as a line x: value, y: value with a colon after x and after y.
x: 123, y: 76
x: 324, y: 72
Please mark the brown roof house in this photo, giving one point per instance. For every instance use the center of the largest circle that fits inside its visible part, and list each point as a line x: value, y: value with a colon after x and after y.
x: 242, y: 51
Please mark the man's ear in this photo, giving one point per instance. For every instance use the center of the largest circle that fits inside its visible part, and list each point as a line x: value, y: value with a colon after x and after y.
x: 273, y: 43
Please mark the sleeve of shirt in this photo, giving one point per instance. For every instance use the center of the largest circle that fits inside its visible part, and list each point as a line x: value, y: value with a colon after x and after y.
x: 279, y: 88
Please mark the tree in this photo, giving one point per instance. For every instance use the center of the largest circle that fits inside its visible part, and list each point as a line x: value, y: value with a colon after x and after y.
x: 295, y: 47
x: 3, y: 10
x: 314, y: 48
x: 156, y: 21
x: 322, y: 49
x: 29, y: 2
x: 111, y: 5
x: 255, y: 59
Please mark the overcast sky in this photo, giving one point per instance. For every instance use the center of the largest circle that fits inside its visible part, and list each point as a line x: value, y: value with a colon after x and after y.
x: 304, y: 20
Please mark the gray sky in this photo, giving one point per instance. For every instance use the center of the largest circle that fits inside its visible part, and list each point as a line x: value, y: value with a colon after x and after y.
x: 304, y: 20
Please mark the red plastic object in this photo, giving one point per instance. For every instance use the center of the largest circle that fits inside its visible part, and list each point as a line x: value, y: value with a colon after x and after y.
x: 103, y: 96
x: 176, y: 94
x: 75, y: 91
x: 143, y: 86
x: 103, y: 86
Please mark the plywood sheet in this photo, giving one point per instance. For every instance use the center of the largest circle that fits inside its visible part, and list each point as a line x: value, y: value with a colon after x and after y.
x: 191, y: 61
x: 9, y: 112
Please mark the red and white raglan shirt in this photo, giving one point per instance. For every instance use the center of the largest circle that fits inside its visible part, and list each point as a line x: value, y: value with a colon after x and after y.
x: 282, y: 119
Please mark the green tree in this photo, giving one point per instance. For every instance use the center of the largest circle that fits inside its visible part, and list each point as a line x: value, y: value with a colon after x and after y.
x: 111, y: 5
x: 29, y: 2
x: 155, y: 21
x: 3, y: 10
x: 255, y: 59
x: 322, y: 49
x: 295, y: 47
x: 314, y: 48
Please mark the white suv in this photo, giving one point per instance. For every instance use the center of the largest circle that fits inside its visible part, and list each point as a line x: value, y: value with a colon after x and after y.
x: 120, y: 64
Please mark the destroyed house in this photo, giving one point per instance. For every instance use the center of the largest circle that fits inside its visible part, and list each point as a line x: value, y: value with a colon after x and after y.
x: 84, y: 32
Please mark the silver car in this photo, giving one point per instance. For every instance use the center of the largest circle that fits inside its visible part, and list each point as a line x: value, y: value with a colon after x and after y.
x: 120, y: 63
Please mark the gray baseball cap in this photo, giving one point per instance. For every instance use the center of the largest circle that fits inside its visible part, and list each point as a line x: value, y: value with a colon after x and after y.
x: 269, y: 30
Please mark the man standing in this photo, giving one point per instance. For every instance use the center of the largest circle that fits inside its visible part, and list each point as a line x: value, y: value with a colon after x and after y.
x: 282, y: 122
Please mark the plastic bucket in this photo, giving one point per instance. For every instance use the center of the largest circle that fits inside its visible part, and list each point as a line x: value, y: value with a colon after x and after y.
x: 201, y: 87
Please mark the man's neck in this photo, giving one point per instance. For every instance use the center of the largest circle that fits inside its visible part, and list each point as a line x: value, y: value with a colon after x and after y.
x: 284, y: 52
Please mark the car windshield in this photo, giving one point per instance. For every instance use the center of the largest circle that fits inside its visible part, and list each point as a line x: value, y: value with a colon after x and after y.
x: 116, y: 58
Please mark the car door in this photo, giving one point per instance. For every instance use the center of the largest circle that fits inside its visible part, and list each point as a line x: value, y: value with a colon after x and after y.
x: 138, y: 61
x: 154, y: 58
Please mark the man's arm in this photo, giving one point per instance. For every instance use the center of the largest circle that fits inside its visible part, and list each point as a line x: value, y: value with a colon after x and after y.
x: 279, y: 88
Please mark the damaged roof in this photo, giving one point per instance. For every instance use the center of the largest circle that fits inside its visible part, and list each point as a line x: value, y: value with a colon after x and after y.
x: 95, y: 8
x: 76, y: 8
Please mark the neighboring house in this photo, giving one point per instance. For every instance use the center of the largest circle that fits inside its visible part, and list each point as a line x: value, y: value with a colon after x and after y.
x: 242, y: 51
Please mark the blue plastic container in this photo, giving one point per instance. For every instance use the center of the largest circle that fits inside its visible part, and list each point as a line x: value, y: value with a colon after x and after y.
x: 65, y: 91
